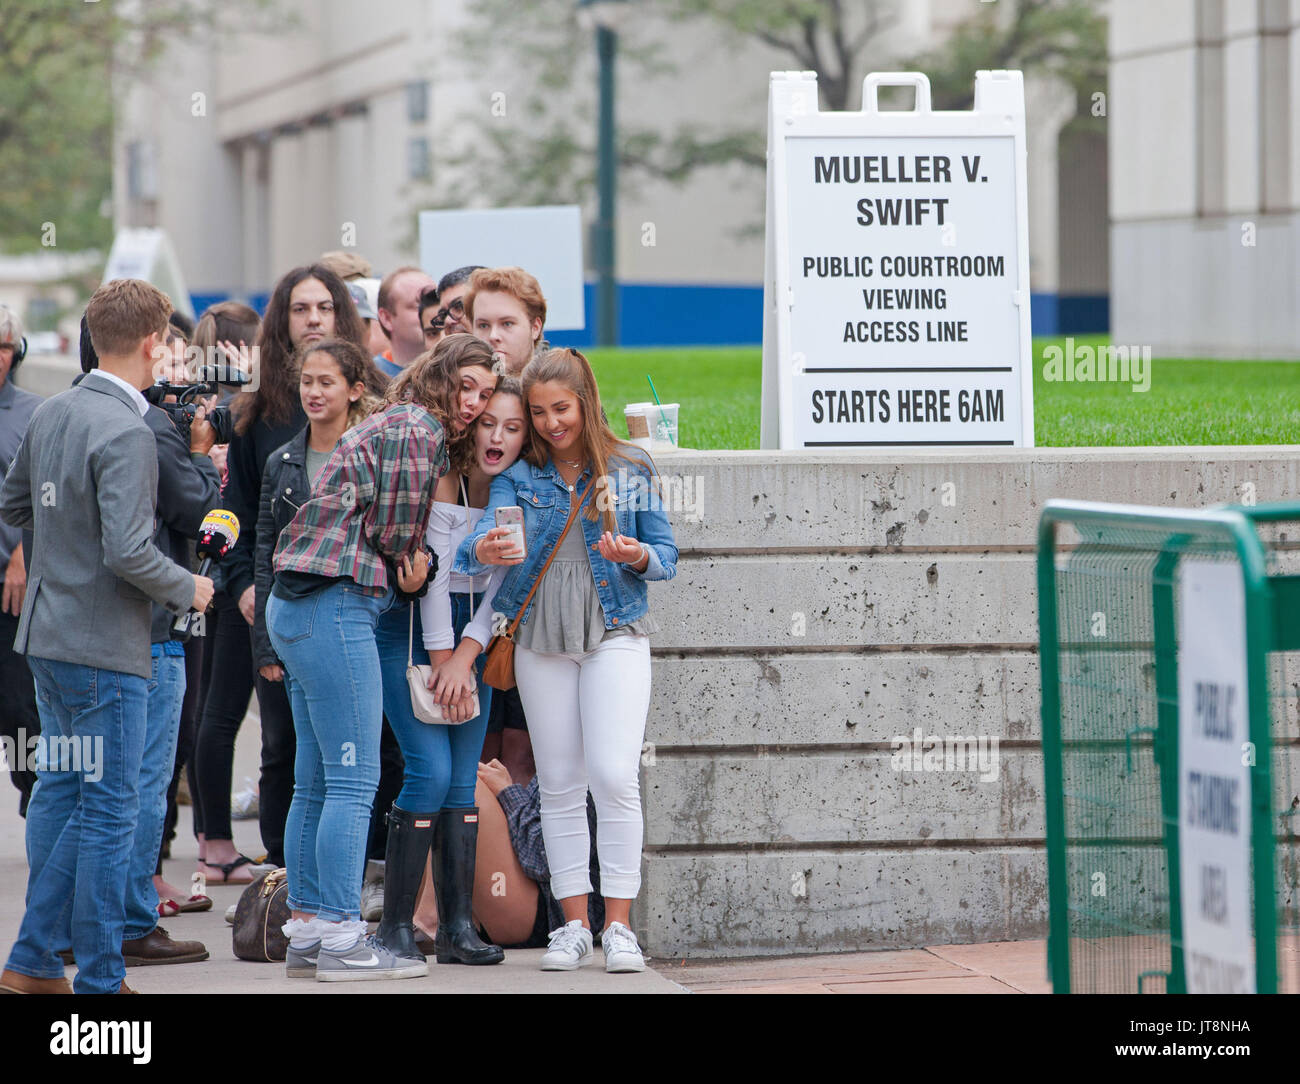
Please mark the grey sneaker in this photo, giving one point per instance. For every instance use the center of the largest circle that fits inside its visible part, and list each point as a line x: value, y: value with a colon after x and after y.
x: 622, y: 953
x: 300, y: 963
x: 367, y: 959
x: 569, y: 947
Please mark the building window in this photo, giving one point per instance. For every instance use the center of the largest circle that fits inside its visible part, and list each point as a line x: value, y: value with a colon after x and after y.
x: 1275, y: 110
x: 417, y: 101
x: 1211, y: 97
x: 141, y: 170
x: 417, y: 159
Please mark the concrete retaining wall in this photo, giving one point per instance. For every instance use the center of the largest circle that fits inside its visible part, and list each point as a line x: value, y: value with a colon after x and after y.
x: 824, y: 604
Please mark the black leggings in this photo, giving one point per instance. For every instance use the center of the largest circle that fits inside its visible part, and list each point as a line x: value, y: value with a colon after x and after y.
x: 18, y: 718
x: 392, y: 771
x: 230, y: 684
x: 191, y: 708
x: 279, y: 745
x: 229, y: 688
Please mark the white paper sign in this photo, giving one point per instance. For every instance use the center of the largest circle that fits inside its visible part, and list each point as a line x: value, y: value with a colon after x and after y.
x: 1214, y: 810
x: 897, y: 289
x: 545, y: 241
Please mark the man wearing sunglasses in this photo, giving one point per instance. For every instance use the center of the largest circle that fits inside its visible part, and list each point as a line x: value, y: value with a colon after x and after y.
x: 442, y: 310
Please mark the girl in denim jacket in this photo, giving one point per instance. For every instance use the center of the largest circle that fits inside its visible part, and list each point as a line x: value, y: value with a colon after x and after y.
x: 582, y: 658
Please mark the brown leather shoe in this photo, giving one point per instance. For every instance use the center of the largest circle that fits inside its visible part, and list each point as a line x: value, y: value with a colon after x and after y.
x: 125, y: 989
x: 156, y: 947
x: 15, y: 982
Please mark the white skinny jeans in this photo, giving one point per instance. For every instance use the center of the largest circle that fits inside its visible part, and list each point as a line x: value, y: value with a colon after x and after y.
x: 586, y: 716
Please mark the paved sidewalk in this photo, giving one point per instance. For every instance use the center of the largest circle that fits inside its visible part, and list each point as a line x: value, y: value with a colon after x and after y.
x: 223, y: 973
x: 1010, y: 967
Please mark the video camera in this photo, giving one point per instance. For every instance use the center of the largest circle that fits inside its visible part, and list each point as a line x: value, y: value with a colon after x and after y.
x: 211, y: 378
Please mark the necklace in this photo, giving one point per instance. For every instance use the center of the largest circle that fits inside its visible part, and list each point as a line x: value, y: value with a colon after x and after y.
x: 575, y: 465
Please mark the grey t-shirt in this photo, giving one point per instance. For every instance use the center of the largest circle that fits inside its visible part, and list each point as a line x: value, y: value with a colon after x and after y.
x: 315, y: 461
x: 567, y: 617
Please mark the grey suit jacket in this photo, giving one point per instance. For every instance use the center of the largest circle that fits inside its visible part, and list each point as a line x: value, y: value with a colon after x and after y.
x: 85, y: 480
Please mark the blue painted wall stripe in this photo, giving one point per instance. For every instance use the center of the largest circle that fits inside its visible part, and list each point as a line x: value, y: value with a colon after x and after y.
x: 678, y: 314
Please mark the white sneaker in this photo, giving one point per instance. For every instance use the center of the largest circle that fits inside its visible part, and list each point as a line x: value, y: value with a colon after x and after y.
x: 569, y: 947
x: 622, y: 953
x: 372, y: 891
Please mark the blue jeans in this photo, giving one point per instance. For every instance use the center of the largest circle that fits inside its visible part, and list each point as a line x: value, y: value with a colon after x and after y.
x: 327, y: 644
x: 441, y: 761
x: 166, y: 695
x: 81, y: 821
x: 166, y: 691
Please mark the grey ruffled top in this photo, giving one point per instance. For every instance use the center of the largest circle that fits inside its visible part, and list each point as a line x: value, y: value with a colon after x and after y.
x: 567, y: 617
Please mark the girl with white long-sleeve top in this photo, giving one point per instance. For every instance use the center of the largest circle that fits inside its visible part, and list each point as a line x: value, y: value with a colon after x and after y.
x: 456, y: 624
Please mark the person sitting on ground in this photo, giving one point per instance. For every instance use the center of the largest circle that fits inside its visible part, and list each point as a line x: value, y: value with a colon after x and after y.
x: 525, y: 910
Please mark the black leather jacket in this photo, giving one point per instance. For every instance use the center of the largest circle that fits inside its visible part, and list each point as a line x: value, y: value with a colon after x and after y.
x: 285, y: 488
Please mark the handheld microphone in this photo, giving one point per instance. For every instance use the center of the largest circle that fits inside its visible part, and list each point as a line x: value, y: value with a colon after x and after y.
x: 218, y: 534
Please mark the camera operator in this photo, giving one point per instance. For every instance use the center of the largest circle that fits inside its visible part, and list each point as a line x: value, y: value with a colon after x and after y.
x: 188, y: 488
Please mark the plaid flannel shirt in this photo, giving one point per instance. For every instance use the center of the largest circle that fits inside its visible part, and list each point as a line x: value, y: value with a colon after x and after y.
x: 522, y: 805
x: 371, y: 502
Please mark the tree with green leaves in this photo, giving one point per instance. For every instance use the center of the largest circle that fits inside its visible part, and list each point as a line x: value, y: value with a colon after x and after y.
x: 59, y: 63
x: 551, y: 149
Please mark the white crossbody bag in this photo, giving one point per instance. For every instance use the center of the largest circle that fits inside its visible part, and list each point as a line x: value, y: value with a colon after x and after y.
x: 423, y: 705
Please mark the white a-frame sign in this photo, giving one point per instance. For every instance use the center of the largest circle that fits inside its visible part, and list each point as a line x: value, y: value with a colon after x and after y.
x: 896, y: 299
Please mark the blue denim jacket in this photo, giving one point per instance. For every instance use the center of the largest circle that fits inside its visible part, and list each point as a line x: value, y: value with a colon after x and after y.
x: 544, y: 497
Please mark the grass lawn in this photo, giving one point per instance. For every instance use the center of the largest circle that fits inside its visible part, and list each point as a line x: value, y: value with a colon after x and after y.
x: 718, y: 389
x: 1190, y: 401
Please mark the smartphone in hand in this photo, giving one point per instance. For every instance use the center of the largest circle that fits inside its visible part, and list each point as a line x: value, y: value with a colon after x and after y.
x: 512, y: 517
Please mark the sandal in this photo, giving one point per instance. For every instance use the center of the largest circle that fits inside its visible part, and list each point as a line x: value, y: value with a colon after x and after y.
x: 168, y: 908
x: 227, y: 869
x: 197, y: 902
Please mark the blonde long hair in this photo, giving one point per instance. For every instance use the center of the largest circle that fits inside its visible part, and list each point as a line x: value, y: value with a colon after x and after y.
x: 571, y: 370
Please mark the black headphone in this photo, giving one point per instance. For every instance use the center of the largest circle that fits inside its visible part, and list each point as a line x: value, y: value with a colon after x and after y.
x: 20, y: 351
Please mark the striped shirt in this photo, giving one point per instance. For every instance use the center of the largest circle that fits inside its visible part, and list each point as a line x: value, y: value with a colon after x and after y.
x: 370, y: 504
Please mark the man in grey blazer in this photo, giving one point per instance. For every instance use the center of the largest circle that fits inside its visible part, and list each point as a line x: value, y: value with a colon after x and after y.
x: 85, y: 481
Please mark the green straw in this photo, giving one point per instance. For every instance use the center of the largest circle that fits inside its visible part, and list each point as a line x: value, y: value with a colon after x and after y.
x: 672, y: 440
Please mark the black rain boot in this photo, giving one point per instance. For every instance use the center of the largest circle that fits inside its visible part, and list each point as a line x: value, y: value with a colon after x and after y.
x: 453, y: 881
x: 410, y: 836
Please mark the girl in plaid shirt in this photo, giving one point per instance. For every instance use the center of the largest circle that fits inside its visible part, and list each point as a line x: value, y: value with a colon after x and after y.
x: 337, y: 565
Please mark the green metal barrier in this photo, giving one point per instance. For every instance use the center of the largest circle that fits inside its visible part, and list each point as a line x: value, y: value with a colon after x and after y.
x: 1108, y: 588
